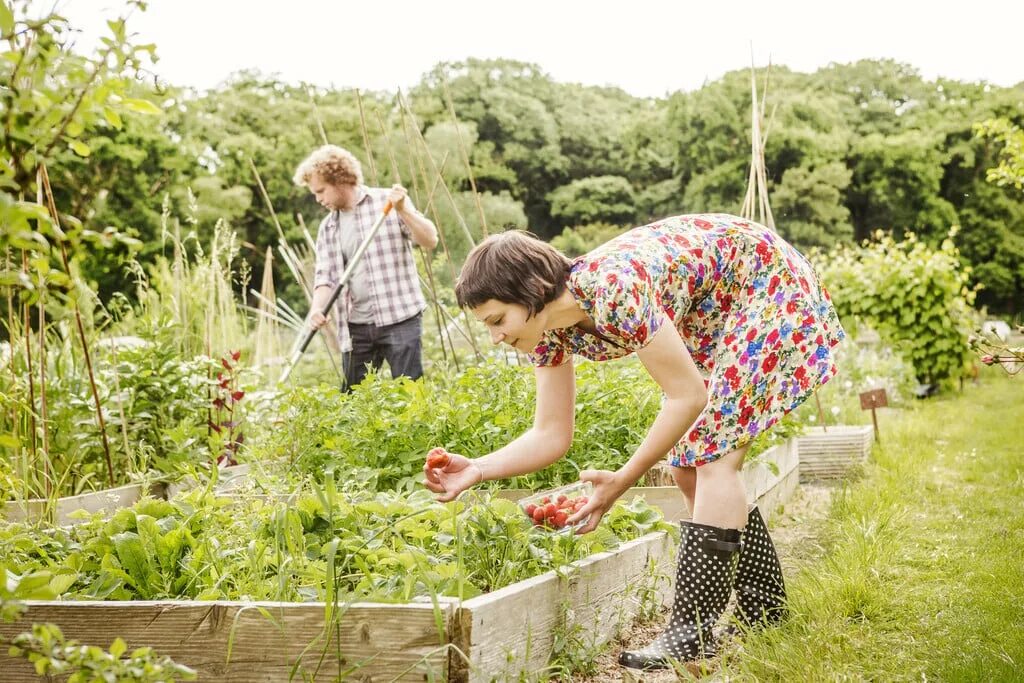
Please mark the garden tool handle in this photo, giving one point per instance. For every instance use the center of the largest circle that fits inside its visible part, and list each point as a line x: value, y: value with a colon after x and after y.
x: 350, y: 267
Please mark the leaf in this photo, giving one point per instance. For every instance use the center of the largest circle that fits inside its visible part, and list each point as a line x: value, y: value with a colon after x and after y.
x: 79, y: 148
x: 118, y: 648
x: 140, y: 106
x: 6, y: 18
x: 112, y: 117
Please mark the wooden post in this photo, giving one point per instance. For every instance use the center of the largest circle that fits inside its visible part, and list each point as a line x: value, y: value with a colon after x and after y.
x: 870, y: 400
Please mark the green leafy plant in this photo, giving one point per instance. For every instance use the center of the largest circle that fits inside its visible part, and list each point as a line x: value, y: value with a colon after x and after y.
x: 917, y: 298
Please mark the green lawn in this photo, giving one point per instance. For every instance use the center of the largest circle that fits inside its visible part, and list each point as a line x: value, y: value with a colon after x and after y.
x: 922, y: 575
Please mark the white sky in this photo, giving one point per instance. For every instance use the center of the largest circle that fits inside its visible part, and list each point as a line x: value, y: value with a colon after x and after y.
x: 647, y: 48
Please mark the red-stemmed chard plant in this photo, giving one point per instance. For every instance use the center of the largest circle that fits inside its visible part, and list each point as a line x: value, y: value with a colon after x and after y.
x: 225, y: 424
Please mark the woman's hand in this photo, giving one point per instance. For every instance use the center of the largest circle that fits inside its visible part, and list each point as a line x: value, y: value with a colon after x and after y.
x: 608, y: 486
x: 452, y: 477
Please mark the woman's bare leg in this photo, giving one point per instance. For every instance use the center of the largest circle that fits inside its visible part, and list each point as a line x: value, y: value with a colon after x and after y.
x: 686, y: 479
x: 720, y: 498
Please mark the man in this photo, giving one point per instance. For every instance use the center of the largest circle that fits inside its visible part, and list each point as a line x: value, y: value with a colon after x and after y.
x: 380, y: 314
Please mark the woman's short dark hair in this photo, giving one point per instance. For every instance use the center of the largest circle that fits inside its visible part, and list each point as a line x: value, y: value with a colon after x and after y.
x: 513, y: 267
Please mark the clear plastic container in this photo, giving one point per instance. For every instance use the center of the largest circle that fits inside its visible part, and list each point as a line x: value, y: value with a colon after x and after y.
x: 550, y: 509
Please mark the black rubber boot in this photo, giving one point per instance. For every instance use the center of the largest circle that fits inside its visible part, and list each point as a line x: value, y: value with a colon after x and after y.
x: 760, y: 589
x: 704, y: 576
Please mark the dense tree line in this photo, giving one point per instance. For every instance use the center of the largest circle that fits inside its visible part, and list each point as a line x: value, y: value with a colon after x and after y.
x: 850, y: 149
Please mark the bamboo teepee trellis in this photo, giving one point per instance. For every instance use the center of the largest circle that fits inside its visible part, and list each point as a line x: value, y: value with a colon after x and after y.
x: 756, y: 206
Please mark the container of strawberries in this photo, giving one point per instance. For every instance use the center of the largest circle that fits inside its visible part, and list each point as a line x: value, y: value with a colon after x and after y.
x: 551, y: 509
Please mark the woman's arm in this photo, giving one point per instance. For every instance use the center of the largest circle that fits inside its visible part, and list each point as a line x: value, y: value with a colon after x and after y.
x: 544, y: 443
x: 668, y: 361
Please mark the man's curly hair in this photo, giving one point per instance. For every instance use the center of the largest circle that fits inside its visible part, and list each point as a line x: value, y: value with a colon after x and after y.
x: 333, y: 164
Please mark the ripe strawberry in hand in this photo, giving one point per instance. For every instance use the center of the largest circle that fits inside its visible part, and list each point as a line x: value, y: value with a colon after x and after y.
x: 438, y: 459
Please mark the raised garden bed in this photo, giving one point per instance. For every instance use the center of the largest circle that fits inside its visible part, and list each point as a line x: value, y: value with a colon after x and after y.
x: 61, y: 510
x: 503, y: 633
x: 228, y: 479
x: 830, y: 452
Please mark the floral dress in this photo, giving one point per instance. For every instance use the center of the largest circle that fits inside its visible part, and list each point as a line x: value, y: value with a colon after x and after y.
x: 746, y: 303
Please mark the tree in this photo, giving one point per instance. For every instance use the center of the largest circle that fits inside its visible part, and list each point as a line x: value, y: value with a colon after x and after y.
x: 607, y: 199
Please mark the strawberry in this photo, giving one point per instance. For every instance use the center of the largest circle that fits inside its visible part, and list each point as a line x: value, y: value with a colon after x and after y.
x: 550, y: 510
x: 529, y: 509
x: 538, y: 515
x: 559, y: 519
x: 438, y: 459
x: 561, y: 499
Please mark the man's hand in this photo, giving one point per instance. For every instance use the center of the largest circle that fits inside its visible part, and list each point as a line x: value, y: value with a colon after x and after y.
x: 397, y: 197
x: 317, y: 320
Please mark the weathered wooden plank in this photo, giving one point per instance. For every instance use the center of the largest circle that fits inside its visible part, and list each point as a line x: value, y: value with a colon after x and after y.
x: 512, y: 632
x: 106, y: 501
x: 370, y: 642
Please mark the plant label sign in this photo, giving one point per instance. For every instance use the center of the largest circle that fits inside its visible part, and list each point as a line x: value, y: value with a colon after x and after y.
x: 876, y: 398
x: 869, y: 400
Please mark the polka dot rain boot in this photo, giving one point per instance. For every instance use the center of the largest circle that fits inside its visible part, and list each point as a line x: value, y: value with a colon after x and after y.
x: 760, y: 589
x: 704, y: 576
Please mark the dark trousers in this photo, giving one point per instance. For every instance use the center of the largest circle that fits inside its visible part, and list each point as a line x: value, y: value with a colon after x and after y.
x: 398, y: 344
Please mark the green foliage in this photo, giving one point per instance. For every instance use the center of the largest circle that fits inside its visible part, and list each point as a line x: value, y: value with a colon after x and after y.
x: 51, y: 98
x: 51, y: 654
x: 381, y: 431
x: 329, y: 545
x: 808, y: 205
x: 577, y: 241
x: 607, y: 199
x: 1010, y: 170
x: 915, y: 296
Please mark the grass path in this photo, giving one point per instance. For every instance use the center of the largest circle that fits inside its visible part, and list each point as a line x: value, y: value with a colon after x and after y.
x: 923, y: 572
x: 916, y: 572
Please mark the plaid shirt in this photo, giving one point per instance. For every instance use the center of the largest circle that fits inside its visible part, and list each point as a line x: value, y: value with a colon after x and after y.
x: 387, y: 263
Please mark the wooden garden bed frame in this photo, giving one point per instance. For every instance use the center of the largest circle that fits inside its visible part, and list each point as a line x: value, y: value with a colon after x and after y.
x: 830, y: 453
x: 495, y: 636
x: 491, y: 636
x: 61, y: 510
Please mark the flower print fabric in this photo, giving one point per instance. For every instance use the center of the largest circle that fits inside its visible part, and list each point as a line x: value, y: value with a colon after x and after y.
x: 746, y: 303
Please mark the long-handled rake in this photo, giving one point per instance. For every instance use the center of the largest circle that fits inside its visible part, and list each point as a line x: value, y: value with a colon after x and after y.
x: 308, y: 335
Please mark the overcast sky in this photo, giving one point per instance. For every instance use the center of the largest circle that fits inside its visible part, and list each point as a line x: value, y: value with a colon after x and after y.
x: 646, y: 48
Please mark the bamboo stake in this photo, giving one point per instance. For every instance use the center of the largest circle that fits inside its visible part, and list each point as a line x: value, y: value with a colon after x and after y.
x: 316, y: 113
x: 266, y: 326
x: 433, y: 167
x: 81, y: 327
x: 47, y: 474
x: 19, y: 452
x: 444, y: 244
x: 426, y: 262
x: 465, y: 154
x: 266, y: 199
x: 305, y: 232
x: 27, y: 331
x: 366, y: 137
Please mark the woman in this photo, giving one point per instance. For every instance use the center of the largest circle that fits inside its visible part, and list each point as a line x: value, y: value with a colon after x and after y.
x: 731, y: 323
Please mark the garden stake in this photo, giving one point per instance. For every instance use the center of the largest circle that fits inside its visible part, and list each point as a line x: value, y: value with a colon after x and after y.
x: 342, y: 281
x: 869, y: 400
x: 44, y: 177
